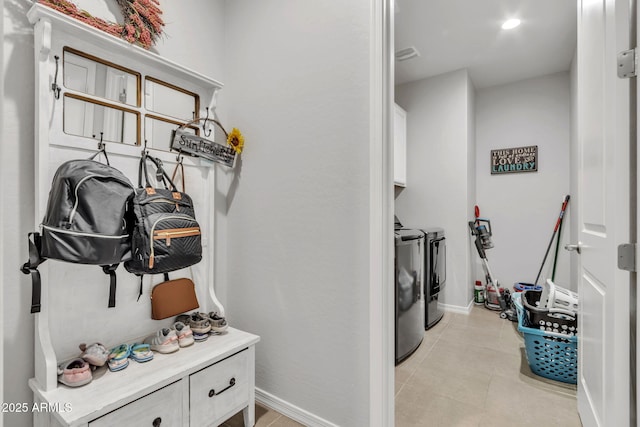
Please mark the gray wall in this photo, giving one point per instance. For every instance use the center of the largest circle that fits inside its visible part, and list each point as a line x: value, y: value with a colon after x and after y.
x: 440, y: 170
x: 298, y: 240
x: 292, y: 246
x: 523, y: 207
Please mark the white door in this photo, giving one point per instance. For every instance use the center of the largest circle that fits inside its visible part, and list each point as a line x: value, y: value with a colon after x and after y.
x: 603, y: 214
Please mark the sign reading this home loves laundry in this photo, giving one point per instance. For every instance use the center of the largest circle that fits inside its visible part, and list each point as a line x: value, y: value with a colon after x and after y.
x: 513, y: 160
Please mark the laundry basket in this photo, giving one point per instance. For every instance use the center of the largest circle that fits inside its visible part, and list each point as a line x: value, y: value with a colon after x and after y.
x: 556, y: 320
x: 550, y: 355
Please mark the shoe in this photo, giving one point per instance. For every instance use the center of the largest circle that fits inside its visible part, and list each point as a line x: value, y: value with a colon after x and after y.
x: 198, y: 322
x: 75, y: 373
x: 218, y: 323
x: 95, y: 354
x: 119, y: 357
x: 200, y: 337
x: 184, y: 334
x: 140, y: 352
x: 164, y: 341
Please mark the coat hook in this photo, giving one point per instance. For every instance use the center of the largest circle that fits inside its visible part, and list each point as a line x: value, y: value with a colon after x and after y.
x: 204, y: 125
x: 101, y: 145
x: 54, y: 86
x: 145, y: 152
x: 179, y: 157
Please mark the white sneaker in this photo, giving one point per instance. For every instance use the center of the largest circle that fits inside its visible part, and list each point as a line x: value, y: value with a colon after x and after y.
x: 164, y: 341
x: 218, y: 323
x: 184, y: 334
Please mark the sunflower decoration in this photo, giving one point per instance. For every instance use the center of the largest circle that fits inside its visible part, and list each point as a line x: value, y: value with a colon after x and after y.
x: 236, y: 140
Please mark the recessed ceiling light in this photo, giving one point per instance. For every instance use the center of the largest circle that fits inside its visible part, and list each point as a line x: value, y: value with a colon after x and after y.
x: 510, y: 23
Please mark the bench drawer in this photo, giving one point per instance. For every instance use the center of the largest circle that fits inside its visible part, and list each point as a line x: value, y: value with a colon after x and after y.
x: 158, y: 409
x: 219, y: 391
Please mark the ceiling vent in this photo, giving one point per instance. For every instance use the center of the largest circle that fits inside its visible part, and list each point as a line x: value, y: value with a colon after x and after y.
x: 407, y: 53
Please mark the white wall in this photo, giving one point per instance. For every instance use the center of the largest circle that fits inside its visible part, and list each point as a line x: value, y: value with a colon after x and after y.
x: 575, y: 159
x: 298, y: 222
x: 440, y: 172
x: 471, y: 175
x: 292, y: 262
x: 523, y: 207
x: 16, y: 165
x: 3, y: 182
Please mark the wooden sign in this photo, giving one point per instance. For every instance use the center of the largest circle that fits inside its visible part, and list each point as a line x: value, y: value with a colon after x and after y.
x: 197, y: 146
x: 514, y: 160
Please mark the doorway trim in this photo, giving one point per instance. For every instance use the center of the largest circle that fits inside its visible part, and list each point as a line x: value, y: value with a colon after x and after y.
x: 381, y: 307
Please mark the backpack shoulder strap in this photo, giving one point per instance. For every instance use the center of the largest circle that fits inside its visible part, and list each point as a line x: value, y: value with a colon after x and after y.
x: 31, y: 267
x: 111, y: 271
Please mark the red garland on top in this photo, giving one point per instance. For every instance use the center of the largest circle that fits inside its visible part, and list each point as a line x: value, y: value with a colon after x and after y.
x: 142, y: 19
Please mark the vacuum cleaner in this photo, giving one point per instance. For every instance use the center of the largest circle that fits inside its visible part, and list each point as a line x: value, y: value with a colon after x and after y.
x: 501, y: 299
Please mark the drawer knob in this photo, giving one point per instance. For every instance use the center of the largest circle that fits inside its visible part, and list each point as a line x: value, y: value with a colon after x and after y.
x: 157, y: 422
x: 232, y: 382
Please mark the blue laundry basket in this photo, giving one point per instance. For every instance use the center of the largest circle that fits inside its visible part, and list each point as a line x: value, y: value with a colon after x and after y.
x: 550, y: 355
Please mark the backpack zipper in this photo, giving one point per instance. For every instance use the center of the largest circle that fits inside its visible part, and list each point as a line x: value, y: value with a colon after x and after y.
x: 166, y: 201
x: 75, y: 204
x: 190, y: 231
x: 168, y: 234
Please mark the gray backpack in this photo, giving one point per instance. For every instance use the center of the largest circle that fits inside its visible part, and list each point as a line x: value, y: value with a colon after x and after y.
x: 87, y: 222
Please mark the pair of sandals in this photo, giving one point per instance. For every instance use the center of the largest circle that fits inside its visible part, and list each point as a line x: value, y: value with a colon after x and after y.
x: 119, y: 356
x: 79, y: 370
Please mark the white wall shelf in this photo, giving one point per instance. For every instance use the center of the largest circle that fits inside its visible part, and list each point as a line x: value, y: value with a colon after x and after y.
x: 74, y: 297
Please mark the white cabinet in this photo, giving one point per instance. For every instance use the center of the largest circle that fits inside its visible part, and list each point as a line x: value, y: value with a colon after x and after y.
x: 201, y: 385
x: 399, y: 146
x: 172, y: 389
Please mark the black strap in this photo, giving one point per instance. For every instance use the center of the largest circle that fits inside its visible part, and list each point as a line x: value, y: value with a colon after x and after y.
x: 31, y: 267
x: 140, y: 291
x: 166, y: 279
x: 180, y: 166
x: 161, y: 174
x: 111, y: 271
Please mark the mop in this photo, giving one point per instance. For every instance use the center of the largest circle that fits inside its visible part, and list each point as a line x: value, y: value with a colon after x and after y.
x: 555, y: 230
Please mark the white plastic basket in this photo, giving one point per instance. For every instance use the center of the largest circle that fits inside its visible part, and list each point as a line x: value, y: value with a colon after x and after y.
x: 554, y: 296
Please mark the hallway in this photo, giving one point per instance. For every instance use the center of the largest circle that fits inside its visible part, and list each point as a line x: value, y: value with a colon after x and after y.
x: 471, y: 371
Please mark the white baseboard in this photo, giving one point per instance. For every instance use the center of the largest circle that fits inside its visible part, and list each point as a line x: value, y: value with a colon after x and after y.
x: 291, y: 411
x: 457, y: 308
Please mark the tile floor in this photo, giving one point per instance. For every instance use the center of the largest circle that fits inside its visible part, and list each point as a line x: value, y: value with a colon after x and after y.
x: 265, y: 417
x: 471, y: 371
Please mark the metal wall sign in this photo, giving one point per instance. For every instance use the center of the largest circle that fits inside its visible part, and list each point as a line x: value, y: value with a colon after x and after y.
x: 514, y: 160
x: 197, y: 146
